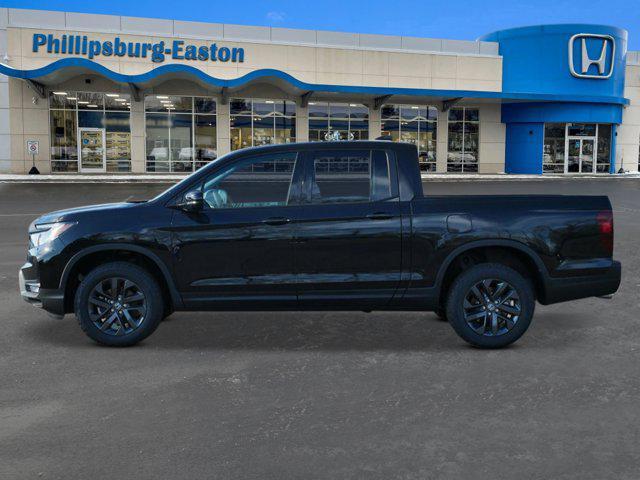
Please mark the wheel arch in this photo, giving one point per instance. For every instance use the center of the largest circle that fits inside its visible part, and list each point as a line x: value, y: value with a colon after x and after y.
x: 532, y: 262
x: 115, y: 252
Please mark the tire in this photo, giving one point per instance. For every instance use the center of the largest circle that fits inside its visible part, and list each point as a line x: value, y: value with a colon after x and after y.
x: 102, y: 309
x: 471, y: 312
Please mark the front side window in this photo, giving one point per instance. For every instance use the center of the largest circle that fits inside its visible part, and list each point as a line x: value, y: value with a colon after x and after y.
x: 180, y: 132
x: 263, y: 181
x: 464, y: 139
x: 338, y: 121
x: 351, y: 176
x: 413, y: 124
x: 256, y: 122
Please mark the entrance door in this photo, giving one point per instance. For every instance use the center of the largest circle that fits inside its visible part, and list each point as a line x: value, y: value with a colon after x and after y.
x: 91, y: 150
x: 580, y: 154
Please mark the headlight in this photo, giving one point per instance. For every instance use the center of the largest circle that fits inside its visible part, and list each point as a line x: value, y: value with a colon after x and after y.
x: 48, y: 232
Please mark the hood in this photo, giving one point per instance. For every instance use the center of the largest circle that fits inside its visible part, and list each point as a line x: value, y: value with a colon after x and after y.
x: 78, y: 212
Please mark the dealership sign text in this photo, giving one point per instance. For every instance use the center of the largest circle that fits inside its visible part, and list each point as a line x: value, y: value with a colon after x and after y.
x: 157, y: 52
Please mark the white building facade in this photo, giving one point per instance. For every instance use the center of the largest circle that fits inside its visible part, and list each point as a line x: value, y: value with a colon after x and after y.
x: 111, y: 94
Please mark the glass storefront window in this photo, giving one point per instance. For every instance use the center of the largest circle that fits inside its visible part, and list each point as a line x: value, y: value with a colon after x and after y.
x: 581, y: 130
x: 575, y: 147
x: 64, y: 143
x: 464, y: 139
x: 180, y: 132
x: 413, y: 124
x: 553, y: 149
x: 255, y: 122
x: 90, y: 100
x: 338, y: 121
x: 70, y: 111
x: 118, y: 141
x: 166, y: 103
x: 205, y: 140
x: 603, y: 157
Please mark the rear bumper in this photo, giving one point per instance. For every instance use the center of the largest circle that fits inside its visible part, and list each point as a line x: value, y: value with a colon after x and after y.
x: 605, y: 282
x: 50, y: 300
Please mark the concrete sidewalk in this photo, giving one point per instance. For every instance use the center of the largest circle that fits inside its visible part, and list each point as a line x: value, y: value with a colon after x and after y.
x: 172, y: 178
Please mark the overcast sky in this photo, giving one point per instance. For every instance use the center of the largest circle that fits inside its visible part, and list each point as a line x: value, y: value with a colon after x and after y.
x: 454, y: 19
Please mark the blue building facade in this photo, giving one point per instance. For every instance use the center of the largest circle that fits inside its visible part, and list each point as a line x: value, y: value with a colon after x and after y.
x: 582, y: 65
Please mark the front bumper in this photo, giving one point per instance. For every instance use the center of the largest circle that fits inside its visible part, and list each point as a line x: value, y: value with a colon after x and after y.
x: 603, y: 283
x: 50, y: 300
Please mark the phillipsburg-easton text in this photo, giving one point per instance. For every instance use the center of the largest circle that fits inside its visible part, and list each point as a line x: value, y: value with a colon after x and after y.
x: 157, y: 52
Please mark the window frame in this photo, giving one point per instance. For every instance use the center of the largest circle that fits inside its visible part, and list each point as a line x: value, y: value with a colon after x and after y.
x: 75, y: 108
x: 295, y: 184
x: 193, y: 114
x: 348, y: 117
x: 309, y: 175
x: 464, y: 122
x: 273, y: 116
x: 597, y: 138
x: 427, y: 121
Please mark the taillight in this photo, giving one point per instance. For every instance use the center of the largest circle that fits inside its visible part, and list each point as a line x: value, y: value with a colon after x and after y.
x: 605, y: 226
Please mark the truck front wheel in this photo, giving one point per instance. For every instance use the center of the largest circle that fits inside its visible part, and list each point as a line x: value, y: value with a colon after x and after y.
x: 118, y: 304
x: 490, y: 305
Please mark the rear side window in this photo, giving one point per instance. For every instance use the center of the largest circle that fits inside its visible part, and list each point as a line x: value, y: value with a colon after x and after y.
x: 350, y: 176
x: 263, y: 181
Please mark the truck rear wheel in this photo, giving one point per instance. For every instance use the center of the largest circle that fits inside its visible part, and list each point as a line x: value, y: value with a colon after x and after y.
x: 118, y: 304
x: 490, y: 305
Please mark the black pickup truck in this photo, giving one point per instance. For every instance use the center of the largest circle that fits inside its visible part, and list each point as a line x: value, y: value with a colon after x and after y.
x: 319, y: 226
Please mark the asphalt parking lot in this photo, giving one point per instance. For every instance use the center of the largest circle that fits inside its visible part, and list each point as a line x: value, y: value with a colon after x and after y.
x: 321, y: 395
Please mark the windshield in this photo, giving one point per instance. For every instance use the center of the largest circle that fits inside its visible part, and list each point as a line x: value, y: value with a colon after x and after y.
x: 180, y: 185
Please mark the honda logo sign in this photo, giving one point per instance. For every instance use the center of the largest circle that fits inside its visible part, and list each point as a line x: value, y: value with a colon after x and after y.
x: 596, y: 55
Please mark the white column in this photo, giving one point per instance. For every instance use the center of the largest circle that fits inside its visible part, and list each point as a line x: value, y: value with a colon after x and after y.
x: 375, y: 123
x: 441, y: 146
x: 628, y: 139
x: 5, y: 119
x: 138, y: 137
x: 492, y: 140
x: 222, y: 128
x: 5, y: 122
x: 302, y: 123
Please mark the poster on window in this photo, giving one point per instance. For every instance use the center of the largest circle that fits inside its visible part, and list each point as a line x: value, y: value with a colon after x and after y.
x: 118, y: 145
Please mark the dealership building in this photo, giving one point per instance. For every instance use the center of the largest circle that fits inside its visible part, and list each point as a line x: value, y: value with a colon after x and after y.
x: 84, y: 93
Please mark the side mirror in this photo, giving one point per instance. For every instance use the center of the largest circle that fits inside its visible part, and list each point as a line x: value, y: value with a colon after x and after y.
x: 193, y: 201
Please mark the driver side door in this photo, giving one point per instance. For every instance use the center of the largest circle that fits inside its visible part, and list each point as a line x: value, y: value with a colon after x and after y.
x: 238, y: 250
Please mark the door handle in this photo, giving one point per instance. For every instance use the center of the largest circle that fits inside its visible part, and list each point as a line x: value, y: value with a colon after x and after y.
x: 276, y: 221
x: 379, y: 216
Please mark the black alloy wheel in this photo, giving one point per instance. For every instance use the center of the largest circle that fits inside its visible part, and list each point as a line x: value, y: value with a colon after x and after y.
x: 117, y: 306
x: 490, y: 305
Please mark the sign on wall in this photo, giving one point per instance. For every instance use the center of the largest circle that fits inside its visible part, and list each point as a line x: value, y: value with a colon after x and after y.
x: 591, y: 55
x: 157, y: 52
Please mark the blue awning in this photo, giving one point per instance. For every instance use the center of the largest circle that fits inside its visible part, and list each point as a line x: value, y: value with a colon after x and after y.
x: 65, y: 69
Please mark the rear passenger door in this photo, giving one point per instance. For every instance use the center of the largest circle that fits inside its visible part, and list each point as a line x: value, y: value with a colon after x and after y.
x: 348, y: 239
